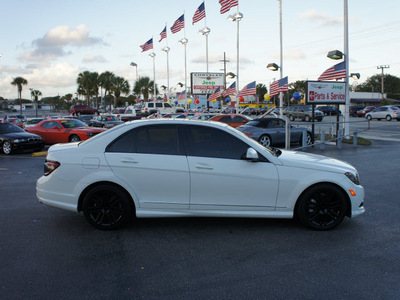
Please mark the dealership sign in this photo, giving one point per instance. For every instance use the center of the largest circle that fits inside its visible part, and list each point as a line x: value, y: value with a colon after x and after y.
x: 206, y: 83
x: 325, y: 92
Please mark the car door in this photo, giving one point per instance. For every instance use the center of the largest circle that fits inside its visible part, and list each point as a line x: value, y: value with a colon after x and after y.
x: 151, y: 159
x: 277, y: 129
x: 220, y: 179
x: 52, y: 132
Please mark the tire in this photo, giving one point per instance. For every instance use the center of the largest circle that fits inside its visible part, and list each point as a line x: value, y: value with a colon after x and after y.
x: 107, y: 207
x: 321, y: 207
x: 369, y: 117
x: 6, y: 147
x: 74, y: 138
x: 291, y: 118
x: 308, y: 140
x: 307, y: 118
x: 389, y: 118
x: 265, y: 140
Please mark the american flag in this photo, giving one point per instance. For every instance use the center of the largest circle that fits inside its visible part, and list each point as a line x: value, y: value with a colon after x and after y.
x: 148, y: 45
x: 277, y: 86
x: 249, y: 89
x: 231, y: 90
x: 182, y: 96
x: 226, y: 5
x: 199, y: 14
x: 338, y: 71
x: 178, y: 25
x: 215, y: 95
x: 163, y: 34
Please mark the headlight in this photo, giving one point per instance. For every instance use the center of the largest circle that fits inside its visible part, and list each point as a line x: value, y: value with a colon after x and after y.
x: 353, y: 177
x: 19, y: 140
x: 91, y: 133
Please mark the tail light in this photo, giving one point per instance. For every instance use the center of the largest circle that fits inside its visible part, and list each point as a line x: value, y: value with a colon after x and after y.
x: 249, y: 133
x: 50, y: 167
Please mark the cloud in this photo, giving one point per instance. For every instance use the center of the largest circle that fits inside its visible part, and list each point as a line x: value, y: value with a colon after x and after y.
x: 53, y: 43
x: 94, y: 59
x: 322, y: 18
x: 214, y: 59
x: 293, y: 54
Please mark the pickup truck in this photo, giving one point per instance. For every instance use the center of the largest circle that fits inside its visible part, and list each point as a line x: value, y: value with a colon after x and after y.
x: 129, y: 114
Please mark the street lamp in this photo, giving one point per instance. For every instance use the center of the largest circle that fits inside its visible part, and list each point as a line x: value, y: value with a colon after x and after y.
x: 135, y: 65
x: 205, y: 31
x: 335, y: 54
x: 236, y: 18
x: 230, y: 75
x: 355, y: 76
x: 273, y: 67
x: 153, y: 55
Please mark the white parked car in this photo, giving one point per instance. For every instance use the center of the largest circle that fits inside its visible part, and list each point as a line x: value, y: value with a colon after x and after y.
x: 184, y: 168
x: 162, y: 107
x: 387, y: 112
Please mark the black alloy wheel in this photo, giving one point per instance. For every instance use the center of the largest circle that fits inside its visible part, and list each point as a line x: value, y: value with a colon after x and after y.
x: 107, y: 207
x: 321, y: 207
x: 6, y: 147
x: 74, y: 138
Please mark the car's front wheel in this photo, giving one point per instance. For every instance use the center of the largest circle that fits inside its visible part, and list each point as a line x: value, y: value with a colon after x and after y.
x: 308, y: 140
x: 321, y: 207
x: 265, y: 140
x: 388, y: 118
x: 107, y: 207
x: 6, y: 147
x: 74, y: 138
x: 291, y: 118
x: 307, y: 118
x: 369, y: 117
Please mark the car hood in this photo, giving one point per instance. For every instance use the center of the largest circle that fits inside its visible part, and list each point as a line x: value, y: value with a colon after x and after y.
x: 20, y: 135
x: 315, y: 162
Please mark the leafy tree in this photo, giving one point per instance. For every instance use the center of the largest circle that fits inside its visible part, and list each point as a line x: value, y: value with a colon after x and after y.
x: 84, y: 82
x: 119, y: 85
x: 19, y: 82
x: 144, y: 86
x: 261, y: 90
x: 374, y: 84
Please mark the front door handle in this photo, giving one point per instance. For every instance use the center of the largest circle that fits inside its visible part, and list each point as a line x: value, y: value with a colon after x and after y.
x: 128, y: 160
x: 204, y: 167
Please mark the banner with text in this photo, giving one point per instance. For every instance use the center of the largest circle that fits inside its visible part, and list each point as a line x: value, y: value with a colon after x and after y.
x: 325, y: 92
x: 206, y: 83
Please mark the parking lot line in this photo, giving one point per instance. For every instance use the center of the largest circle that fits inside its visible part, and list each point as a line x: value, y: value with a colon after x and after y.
x: 3, y: 169
x: 43, y: 153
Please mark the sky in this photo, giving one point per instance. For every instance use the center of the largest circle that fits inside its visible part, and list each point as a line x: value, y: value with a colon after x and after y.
x: 49, y: 42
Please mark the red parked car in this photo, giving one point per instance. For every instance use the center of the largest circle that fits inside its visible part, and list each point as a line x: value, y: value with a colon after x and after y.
x: 78, y: 110
x: 63, y: 131
x: 362, y: 112
x: 232, y: 120
x: 16, y: 121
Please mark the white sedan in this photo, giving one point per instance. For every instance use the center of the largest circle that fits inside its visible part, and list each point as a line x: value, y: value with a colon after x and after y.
x: 387, y: 112
x: 184, y: 168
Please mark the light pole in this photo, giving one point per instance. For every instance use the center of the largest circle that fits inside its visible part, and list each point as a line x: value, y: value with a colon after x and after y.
x: 206, y: 31
x: 153, y: 55
x: 166, y: 50
x: 135, y: 65
x: 184, y: 42
x: 236, y: 18
x: 383, y: 67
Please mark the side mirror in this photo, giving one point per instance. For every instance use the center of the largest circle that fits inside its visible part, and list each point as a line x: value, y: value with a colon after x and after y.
x: 55, y: 127
x: 251, y: 155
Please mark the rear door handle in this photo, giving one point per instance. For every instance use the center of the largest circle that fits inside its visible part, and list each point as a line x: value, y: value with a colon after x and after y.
x: 128, y: 160
x: 204, y: 167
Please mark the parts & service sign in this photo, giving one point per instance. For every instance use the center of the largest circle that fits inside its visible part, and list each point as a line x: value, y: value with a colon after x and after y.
x: 325, y: 92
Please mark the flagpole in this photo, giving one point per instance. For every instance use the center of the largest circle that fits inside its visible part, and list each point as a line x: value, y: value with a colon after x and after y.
x: 281, y: 59
x: 166, y: 50
x: 346, y: 57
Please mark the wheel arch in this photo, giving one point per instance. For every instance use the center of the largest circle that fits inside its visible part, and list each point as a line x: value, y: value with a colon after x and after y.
x: 89, y: 187
x: 348, y: 202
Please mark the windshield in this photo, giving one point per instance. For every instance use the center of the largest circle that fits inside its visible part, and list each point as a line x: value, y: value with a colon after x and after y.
x: 9, y: 128
x: 72, y: 123
x: 109, y: 118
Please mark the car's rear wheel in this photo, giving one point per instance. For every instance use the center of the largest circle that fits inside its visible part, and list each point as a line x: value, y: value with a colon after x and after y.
x: 307, y: 118
x: 321, y: 207
x: 6, y: 147
x: 388, y: 118
x: 291, y: 118
x: 107, y: 207
x: 265, y: 140
x: 74, y: 138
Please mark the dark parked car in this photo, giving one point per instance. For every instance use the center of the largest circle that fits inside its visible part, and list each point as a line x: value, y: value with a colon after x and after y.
x: 78, y: 110
x: 354, y: 109
x: 304, y: 112
x: 329, y: 110
x: 87, y: 119
x: 272, y: 132
x: 14, y: 139
x: 105, y: 121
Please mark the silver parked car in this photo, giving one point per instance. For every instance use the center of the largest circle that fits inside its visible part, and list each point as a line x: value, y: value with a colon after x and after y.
x: 387, y: 112
x: 272, y: 132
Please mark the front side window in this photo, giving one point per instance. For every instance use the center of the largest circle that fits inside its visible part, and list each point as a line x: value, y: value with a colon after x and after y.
x: 211, y: 142
x: 51, y: 125
x: 159, y: 104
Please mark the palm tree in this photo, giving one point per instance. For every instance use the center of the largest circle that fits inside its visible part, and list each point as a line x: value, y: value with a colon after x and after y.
x: 106, y: 80
x: 144, y: 86
x: 19, y: 82
x: 95, y: 83
x: 261, y: 91
x: 35, y: 94
x: 84, y: 83
x: 120, y: 85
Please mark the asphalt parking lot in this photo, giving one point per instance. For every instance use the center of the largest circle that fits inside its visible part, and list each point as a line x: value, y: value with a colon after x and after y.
x: 50, y: 253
